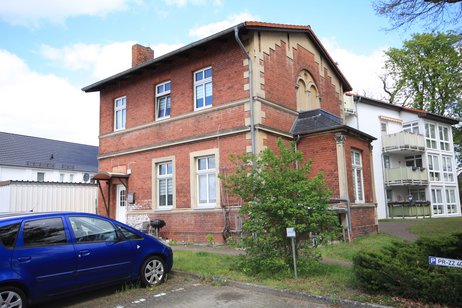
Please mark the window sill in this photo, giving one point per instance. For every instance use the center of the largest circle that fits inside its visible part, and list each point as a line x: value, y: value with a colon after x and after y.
x: 164, y: 208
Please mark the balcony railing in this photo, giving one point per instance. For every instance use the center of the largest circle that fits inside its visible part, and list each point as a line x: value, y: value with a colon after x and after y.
x: 404, y: 209
x: 406, y: 176
x: 403, y: 142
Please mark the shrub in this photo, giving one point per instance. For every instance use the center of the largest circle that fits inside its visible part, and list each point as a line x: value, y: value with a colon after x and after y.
x: 278, y: 191
x: 403, y: 270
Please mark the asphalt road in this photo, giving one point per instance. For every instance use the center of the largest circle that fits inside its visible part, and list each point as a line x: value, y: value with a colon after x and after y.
x: 184, y: 290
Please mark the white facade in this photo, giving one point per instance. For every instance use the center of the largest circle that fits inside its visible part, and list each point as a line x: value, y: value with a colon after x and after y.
x: 412, y: 156
x: 44, y: 175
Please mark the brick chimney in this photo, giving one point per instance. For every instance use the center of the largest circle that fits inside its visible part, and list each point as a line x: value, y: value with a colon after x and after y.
x: 141, y: 54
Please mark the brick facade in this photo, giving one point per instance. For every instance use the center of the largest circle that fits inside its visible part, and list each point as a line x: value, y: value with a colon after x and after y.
x: 222, y: 129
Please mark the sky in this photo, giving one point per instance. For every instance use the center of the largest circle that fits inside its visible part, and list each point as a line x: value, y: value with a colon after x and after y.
x: 51, y: 49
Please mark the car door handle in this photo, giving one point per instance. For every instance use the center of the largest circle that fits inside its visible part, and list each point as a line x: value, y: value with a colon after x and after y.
x: 84, y: 253
x: 24, y: 259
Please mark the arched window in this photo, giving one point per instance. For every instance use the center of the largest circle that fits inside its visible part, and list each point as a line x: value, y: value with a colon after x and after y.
x: 307, y: 92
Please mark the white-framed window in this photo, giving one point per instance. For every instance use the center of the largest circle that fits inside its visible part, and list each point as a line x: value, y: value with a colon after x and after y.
x: 383, y: 127
x: 418, y: 194
x: 430, y: 136
x: 40, y: 176
x: 61, y: 177
x: 203, y: 88
x: 451, y: 200
x: 71, y: 178
x: 434, y: 167
x: 411, y: 127
x: 414, y: 161
x: 206, y: 179
x: 444, y: 138
x: 120, y: 113
x: 386, y: 162
x: 389, y: 195
x: 163, y: 100
x: 164, y: 185
x: 437, y: 201
x: 448, y: 172
x: 357, y: 168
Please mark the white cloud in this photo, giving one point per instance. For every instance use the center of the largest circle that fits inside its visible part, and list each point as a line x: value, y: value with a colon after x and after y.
x: 32, y: 12
x: 362, y: 71
x: 209, y: 29
x: 183, y: 3
x: 45, y: 105
x: 100, y: 60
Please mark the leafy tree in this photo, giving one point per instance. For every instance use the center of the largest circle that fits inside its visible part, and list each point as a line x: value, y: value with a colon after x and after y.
x: 435, y: 14
x: 277, y: 195
x: 427, y: 74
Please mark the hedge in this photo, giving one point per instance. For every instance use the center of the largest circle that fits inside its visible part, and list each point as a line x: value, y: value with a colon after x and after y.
x: 402, y: 269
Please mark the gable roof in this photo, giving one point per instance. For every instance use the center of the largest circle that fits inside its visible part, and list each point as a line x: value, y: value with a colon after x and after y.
x: 420, y: 113
x: 245, y: 26
x: 34, y: 152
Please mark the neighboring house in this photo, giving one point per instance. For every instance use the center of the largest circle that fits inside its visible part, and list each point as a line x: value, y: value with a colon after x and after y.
x: 169, y: 124
x: 26, y: 158
x: 46, y: 175
x: 414, y: 160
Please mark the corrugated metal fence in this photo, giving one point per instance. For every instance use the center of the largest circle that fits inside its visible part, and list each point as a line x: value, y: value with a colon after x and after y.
x: 17, y: 196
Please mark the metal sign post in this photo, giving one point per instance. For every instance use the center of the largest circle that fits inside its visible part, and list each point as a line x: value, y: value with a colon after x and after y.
x: 291, y: 234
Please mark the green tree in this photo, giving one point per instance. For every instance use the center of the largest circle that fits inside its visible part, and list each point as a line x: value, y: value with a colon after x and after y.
x: 426, y: 74
x: 278, y: 192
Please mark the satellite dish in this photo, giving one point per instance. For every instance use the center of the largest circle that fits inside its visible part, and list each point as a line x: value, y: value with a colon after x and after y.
x: 86, y: 177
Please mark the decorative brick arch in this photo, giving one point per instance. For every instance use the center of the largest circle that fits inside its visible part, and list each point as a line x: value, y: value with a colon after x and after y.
x: 308, y: 97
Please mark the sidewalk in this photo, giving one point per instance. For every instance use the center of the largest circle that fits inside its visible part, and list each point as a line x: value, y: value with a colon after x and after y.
x: 399, y: 228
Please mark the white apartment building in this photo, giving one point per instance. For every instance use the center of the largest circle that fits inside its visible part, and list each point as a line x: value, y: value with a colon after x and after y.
x: 413, y: 157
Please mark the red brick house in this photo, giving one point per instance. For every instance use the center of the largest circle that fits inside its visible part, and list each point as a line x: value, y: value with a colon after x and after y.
x: 168, y: 125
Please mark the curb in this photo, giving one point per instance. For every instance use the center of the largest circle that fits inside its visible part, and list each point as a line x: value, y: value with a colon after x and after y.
x: 284, y: 292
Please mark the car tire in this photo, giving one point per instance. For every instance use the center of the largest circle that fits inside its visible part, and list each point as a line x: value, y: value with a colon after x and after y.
x: 152, y: 271
x: 12, y: 297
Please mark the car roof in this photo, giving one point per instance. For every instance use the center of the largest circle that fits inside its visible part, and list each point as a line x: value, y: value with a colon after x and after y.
x: 7, y: 216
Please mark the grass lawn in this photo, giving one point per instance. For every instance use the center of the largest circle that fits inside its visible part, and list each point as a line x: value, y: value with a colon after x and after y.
x: 436, y: 227
x: 334, y: 281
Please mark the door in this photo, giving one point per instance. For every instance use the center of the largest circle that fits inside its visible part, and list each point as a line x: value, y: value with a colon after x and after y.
x: 102, y: 258
x: 121, y: 204
x: 45, y: 258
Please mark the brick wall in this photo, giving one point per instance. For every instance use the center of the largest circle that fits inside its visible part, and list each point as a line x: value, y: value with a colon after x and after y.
x: 281, y: 72
x: 226, y: 61
x: 321, y: 150
x: 363, y: 220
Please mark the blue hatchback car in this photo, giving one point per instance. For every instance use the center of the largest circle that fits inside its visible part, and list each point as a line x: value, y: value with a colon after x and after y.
x: 45, y: 255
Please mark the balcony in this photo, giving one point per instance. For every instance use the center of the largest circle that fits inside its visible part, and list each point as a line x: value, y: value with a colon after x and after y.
x: 404, y: 209
x: 406, y: 176
x: 403, y: 142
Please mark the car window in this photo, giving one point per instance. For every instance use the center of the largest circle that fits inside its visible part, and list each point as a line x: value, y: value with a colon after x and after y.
x: 128, y: 234
x: 90, y: 229
x: 41, y: 232
x: 8, y: 235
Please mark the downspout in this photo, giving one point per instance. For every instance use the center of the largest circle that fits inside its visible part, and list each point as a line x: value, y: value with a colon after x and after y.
x: 297, y: 140
x: 252, y: 123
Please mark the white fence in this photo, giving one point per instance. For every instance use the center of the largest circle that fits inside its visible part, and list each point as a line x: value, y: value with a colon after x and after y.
x: 19, y: 196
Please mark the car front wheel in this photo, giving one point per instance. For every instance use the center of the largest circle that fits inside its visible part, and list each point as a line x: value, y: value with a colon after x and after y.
x: 152, y: 271
x: 12, y: 297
